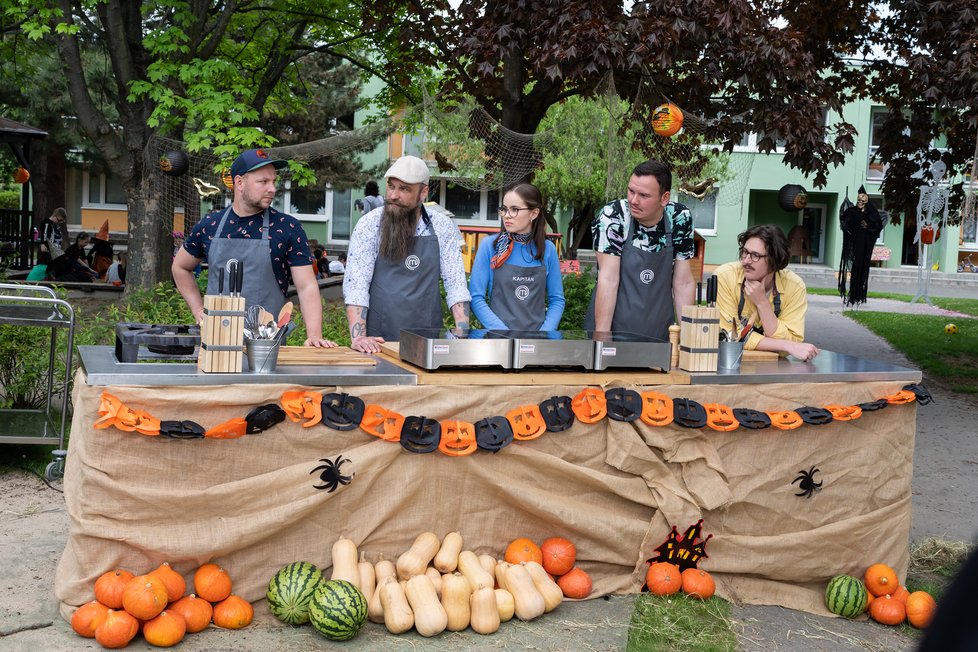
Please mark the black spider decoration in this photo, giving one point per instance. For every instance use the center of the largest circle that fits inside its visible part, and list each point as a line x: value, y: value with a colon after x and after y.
x: 806, y: 482
x: 331, y: 476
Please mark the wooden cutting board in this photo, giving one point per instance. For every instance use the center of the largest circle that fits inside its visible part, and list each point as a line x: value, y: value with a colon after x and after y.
x: 760, y: 355
x: 341, y: 355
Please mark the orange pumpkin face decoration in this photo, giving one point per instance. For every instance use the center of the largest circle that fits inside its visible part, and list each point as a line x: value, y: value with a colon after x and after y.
x: 381, y: 422
x: 844, y: 412
x: 527, y: 422
x: 786, y: 420
x: 457, y: 438
x: 590, y: 405
x: 21, y: 175
x: 656, y: 409
x: 667, y: 120
x: 720, y: 417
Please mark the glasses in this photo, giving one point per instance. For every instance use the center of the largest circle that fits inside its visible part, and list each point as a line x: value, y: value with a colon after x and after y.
x: 753, y: 255
x: 514, y: 210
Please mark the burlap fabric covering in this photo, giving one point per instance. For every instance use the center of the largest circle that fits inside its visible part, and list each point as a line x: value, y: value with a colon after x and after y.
x: 613, y: 488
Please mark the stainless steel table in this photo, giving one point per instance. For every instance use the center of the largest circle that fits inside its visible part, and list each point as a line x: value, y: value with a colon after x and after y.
x: 827, y: 367
x: 103, y: 369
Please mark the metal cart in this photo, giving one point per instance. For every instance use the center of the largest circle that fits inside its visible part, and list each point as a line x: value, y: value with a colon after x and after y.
x: 38, y: 306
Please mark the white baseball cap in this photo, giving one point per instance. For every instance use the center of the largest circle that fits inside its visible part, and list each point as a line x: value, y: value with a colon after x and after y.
x: 409, y: 169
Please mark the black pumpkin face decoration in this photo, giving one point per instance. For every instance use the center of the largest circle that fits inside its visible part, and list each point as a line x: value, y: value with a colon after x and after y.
x: 264, y: 417
x: 342, y: 411
x: 872, y: 406
x: 557, y: 413
x: 623, y: 404
x: 814, y: 416
x: 923, y: 396
x: 493, y: 433
x: 181, y: 429
x: 688, y: 413
x: 420, y: 434
x: 753, y: 419
x: 175, y: 163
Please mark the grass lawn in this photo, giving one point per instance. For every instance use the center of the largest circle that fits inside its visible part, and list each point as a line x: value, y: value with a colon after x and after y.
x: 966, y: 306
x: 677, y: 623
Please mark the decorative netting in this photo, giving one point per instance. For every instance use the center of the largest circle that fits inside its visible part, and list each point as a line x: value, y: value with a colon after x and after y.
x: 969, y: 209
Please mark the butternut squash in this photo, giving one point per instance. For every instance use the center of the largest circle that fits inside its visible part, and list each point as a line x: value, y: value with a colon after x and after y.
x: 552, y: 594
x: 345, y: 562
x: 468, y: 565
x: 455, y: 594
x: 368, y: 577
x: 398, y: 616
x: 415, y: 560
x: 500, y: 573
x: 430, y: 618
x: 446, y: 561
x: 529, y: 602
x: 435, y: 579
x: 504, y: 604
x: 382, y: 569
x: 489, y: 563
x: 484, y: 615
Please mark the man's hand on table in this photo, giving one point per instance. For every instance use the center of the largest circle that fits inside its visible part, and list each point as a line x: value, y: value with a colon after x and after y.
x: 366, y: 344
x: 320, y: 342
x: 802, y: 350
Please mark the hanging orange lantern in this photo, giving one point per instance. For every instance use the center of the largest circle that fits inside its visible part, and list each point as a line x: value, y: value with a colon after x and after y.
x: 667, y: 120
x: 227, y: 178
x: 21, y: 175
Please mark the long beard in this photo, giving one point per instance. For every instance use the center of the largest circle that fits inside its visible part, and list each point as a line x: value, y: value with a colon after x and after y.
x: 397, y: 227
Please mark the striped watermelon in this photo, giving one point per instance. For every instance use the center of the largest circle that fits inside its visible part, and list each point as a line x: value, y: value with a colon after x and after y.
x: 846, y: 596
x: 290, y: 591
x: 337, y: 610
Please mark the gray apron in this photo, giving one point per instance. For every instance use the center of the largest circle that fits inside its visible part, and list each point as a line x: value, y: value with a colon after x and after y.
x: 404, y: 293
x: 255, y: 254
x: 518, y: 296
x: 644, y: 303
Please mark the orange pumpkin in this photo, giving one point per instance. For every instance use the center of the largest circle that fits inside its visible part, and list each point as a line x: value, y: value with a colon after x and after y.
x: 663, y: 578
x: 457, y: 438
x: 88, y: 617
x: 559, y: 555
x: 196, y: 612
x: 698, y: 583
x: 522, y: 549
x: 145, y: 596
x: 575, y: 583
x: 117, y: 629
x: 527, y: 422
x: 233, y: 613
x: 657, y: 409
x: 21, y: 175
x: 212, y: 583
x: 720, y: 417
x: 667, y: 120
x: 110, y: 585
x: 888, y: 611
x: 172, y: 580
x: 900, y: 594
x: 920, y: 609
x: 881, y: 580
x: 165, y: 630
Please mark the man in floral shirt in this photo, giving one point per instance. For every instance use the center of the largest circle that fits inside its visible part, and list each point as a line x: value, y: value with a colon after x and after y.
x: 644, y: 275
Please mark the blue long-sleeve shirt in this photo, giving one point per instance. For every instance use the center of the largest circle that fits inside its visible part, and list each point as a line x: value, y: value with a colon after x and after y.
x: 480, y: 282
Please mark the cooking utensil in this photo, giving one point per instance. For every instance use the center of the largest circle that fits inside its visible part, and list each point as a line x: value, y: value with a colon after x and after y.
x: 285, y: 314
x: 746, y: 330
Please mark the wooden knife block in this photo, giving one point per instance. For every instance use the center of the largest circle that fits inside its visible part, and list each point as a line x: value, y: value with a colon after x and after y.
x: 222, y: 334
x: 699, y: 338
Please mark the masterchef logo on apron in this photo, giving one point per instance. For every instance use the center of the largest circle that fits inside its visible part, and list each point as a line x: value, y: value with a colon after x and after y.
x: 646, y: 276
x: 522, y: 292
x: 412, y: 262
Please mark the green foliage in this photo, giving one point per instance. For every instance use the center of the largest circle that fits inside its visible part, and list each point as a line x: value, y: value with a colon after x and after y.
x: 9, y: 198
x: 577, y: 295
x: 678, y: 623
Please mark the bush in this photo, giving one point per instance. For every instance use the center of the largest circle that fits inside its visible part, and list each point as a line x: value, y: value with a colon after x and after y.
x: 9, y: 198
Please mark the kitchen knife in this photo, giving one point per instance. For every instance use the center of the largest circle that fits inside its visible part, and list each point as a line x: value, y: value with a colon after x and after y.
x: 239, y: 281
x: 220, y: 281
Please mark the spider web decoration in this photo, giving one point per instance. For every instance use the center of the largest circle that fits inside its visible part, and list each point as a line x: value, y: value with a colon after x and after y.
x: 682, y: 551
x: 202, y: 188
x: 474, y: 149
x: 698, y: 166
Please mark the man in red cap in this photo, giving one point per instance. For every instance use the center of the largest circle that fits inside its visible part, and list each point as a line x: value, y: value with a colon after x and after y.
x: 271, y: 247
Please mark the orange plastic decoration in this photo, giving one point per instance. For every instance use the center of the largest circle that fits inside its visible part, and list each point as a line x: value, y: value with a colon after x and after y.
x: 787, y: 420
x: 657, y: 409
x: 303, y: 405
x: 720, y: 417
x: 108, y: 408
x: 590, y: 405
x: 457, y: 438
x: 381, y: 422
x: 844, y: 412
x: 147, y: 424
x: 527, y: 422
x: 901, y: 397
x: 230, y: 429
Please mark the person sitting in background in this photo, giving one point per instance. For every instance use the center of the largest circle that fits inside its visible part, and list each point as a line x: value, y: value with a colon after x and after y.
x: 321, y: 266
x: 759, y: 290
x: 338, y: 266
x: 51, y: 236
x: 116, y: 273
x: 72, y: 266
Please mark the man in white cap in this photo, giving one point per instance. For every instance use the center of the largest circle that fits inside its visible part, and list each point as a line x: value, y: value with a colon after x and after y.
x: 271, y: 247
x: 397, y: 254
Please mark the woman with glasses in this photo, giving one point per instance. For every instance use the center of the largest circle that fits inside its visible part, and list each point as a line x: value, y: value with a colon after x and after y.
x: 764, y: 300
x: 515, y: 282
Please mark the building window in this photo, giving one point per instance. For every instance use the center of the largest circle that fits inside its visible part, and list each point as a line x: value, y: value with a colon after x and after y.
x: 342, y: 205
x: 875, y: 170
x: 307, y: 201
x: 103, y: 189
x: 466, y: 205
x: 704, y: 211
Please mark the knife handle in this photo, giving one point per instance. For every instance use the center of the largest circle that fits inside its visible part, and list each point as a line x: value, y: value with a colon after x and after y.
x: 239, y: 276
x: 220, y: 281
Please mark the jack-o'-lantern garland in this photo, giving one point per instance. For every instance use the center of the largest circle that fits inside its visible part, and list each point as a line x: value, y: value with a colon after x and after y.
x: 420, y: 434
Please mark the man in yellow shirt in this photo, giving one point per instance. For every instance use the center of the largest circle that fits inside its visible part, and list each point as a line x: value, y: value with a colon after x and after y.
x: 760, y: 291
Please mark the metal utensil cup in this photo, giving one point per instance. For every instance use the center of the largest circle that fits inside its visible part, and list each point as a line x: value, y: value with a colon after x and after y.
x: 262, y: 355
x: 729, y: 355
